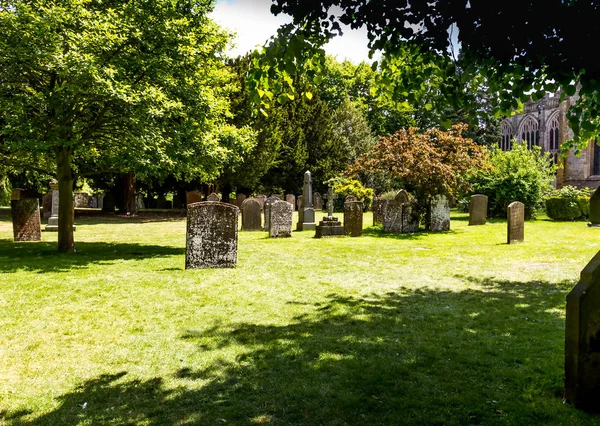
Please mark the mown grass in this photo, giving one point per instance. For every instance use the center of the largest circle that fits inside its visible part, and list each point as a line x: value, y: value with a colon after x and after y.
x: 433, y: 328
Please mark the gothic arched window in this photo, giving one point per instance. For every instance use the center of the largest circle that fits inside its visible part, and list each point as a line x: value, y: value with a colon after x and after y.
x: 507, y: 135
x: 530, y: 131
x: 552, y: 138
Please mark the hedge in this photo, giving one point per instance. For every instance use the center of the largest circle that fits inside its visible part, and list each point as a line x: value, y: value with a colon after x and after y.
x: 560, y: 208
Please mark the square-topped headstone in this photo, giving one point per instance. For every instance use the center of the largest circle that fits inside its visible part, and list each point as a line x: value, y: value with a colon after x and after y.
x: 280, y: 219
x: 25, y: 216
x: 193, y: 197
x: 353, y: 218
x: 439, y: 213
x: 212, y: 235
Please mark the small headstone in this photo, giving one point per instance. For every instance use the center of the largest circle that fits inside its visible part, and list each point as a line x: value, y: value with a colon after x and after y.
x: 378, y: 208
x: 251, y: 220
x: 582, y: 340
x: 291, y: 198
x: 350, y: 199
x: 266, y: 209
x: 353, y: 218
x: 440, y: 213
x: 212, y: 235
x: 261, y: 199
x: 277, y: 196
x: 402, y: 196
x: 317, y: 201
x: 193, y: 197
x: 25, y: 217
x: 516, y: 223
x: 299, y: 202
x: 213, y: 197
x: 280, y: 219
x: 478, y: 209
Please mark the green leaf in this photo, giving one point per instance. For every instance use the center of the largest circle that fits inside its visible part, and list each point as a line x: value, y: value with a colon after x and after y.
x: 308, y: 95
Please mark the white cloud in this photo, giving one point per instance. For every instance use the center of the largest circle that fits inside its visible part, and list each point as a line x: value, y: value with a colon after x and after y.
x: 254, y: 24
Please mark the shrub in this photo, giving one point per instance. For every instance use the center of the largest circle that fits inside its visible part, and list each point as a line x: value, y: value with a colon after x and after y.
x: 568, y: 203
x: 518, y: 175
x: 345, y: 187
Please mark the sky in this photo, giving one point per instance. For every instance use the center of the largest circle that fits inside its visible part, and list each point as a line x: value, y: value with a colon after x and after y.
x: 254, y: 24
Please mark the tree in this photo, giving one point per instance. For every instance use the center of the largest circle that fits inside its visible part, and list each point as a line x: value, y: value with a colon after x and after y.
x: 522, y: 49
x: 429, y: 163
x: 129, y: 87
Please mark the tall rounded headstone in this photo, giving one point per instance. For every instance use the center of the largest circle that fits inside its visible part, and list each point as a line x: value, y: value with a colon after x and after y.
x: 478, y: 209
x: 280, y: 219
x: 353, y: 218
x: 516, y: 223
x: 25, y: 217
x: 439, y: 213
x: 291, y: 198
x: 212, y: 235
x: 251, y: 217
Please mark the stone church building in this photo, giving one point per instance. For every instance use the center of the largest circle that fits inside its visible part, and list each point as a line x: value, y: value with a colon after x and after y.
x: 544, y: 123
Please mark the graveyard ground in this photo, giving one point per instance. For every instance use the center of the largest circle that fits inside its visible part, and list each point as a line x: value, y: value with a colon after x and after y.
x: 452, y: 328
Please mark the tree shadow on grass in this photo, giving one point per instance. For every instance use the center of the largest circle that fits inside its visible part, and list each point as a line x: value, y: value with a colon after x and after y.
x: 491, y: 355
x: 43, y: 257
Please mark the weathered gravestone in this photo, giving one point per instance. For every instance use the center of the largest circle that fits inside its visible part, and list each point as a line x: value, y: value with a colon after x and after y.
x: 582, y: 340
x: 478, y: 209
x: 516, y: 223
x: 213, y: 197
x: 350, y: 199
x: 240, y: 198
x: 52, y: 225
x: 306, y: 215
x: 266, y: 209
x: 276, y: 196
x: 398, y: 215
x: 280, y: 219
x: 353, y: 218
x: 291, y: 198
x: 595, y: 209
x: 81, y: 200
x: 378, y: 207
x: 212, y: 235
x: 317, y: 201
x: 139, y: 202
x: 299, y: 203
x: 25, y: 211
x: 193, y: 197
x: 402, y: 196
x: 330, y: 226
x: 392, y: 216
x: 251, y: 220
x: 439, y: 213
x: 47, y: 205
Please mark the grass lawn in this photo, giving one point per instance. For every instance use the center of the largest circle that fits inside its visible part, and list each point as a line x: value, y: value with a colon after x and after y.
x: 451, y: 328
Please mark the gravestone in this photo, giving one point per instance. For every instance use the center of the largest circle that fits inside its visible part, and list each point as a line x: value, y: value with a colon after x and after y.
x: 439, y: 213
x: 516, y: 223
x: 330, y: 226
x: 81, y: 200
x: 266, y: 209
x: 280, y: 219
x: 350, y: 199
x: 25, y: 212
x: 261, y: 199
x: 402, y: 196
x: 212, y: 235
x: 276, y: 196
x: 595, y: 209
x: 213, y: 197
x: 193, y: 197
x: 392, y: 216
x: 582, y: 340
x: 306, y: 216
x: 379, y: 205
x: 240, y: 198
x: 410, y: 222
x: 291, y: 198
x: 52, y: 225
x: 478, y: 209
x: 47, y: 205
x: 251, y: 220
x: 317, y: 201
x: 299, y: 203
x: 139, y: 202
x: 353, y: 218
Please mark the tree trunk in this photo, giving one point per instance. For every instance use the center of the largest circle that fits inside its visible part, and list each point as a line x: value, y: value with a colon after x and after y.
x: 226, y: 192
x: 64, y: 174
x: 129, y: 202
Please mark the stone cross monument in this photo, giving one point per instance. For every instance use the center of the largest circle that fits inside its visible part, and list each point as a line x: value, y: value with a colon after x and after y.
x: 306, y: 215
x: 330, y: 226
